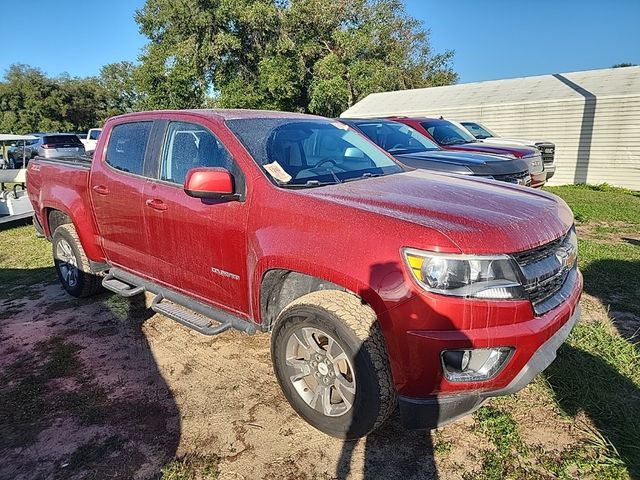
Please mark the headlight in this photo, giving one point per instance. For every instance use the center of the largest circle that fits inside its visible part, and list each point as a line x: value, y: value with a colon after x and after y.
x: 491, y: 277
x: 568, y: 254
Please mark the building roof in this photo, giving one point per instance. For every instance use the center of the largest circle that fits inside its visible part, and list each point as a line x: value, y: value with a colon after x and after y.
x: 609, y: 82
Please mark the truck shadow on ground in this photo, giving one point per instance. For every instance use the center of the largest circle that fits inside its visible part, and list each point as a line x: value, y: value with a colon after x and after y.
x: 80, y: 393
x: 390, y: 452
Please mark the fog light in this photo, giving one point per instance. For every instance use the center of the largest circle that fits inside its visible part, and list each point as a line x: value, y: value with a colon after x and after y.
x: 474, y: 365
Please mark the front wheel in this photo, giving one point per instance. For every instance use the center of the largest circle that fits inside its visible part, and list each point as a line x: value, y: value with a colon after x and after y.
x: 72, y: 265
x: 331, y: 362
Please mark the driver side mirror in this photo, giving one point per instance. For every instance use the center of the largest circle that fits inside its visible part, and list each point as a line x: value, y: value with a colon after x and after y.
x: 211, y: 183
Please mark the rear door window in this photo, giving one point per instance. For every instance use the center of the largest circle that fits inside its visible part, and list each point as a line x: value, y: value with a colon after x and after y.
x: 127, y: 146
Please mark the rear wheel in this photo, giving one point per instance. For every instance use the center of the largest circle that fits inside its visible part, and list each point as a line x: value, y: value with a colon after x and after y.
x: 72, y: 265
x: 331, y: 362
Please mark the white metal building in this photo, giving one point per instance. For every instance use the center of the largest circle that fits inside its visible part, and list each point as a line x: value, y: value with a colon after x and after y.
x: 593, y: 117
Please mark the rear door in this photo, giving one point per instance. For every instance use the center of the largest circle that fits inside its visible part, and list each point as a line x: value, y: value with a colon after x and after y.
x: 117, y: 181
x: 198, y: 246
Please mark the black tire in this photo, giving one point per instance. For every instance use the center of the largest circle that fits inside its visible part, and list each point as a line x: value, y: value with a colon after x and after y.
x: 83, y: 283
x: 354, y: 327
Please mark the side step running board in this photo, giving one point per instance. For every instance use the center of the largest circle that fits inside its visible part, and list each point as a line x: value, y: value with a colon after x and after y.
x: 187, y: 317
x: 185, y: 310
x: 110, y: 282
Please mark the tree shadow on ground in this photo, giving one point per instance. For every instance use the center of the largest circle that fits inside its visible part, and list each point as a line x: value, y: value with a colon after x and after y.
x: 616, y: 283
x: 80, y: 393
x: 589, y: 382
x: 582, y: 382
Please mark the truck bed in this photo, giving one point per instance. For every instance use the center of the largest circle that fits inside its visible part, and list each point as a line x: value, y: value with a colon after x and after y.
x: 62, y: 184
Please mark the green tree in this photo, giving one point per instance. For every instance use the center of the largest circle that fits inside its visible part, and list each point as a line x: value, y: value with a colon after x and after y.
x: 30, y: 101
x: 119, y: 88
x: 317, y: 56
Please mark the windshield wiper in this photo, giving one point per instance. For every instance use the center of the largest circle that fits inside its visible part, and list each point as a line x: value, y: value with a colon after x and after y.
x: 362, y: 177
x: 308, y: 184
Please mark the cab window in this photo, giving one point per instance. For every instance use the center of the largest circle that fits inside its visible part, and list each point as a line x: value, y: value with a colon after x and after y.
x: 127, y: 146
x: 188, y: 146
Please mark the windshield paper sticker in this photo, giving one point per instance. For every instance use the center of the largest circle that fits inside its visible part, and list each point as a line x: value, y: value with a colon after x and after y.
x: 277, y: 172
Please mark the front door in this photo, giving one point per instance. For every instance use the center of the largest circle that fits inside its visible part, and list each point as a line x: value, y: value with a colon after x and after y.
x: 199, y: 246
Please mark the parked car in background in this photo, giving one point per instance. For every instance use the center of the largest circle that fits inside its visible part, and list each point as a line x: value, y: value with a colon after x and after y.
x: 485, y: 135
x: 21, y: 152
x: 46, y: 145
x: 91, y: 139
x: 450, y: 136
x: 412, y: 148
x: 379, y: 285
x: 57, y: 145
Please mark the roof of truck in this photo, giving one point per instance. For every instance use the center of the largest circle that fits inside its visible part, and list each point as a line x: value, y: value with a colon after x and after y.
x: 227, y: 114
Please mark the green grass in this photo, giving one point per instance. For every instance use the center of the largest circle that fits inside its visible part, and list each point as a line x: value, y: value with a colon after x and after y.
x: 25, y: 260
x: 593, y: 203
x: 191, y: 467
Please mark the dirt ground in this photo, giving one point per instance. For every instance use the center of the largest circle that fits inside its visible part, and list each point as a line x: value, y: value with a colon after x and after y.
x: 101, y: 388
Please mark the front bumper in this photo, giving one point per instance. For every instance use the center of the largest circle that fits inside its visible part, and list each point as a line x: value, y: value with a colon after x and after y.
x: 427, y: 413
x: 538, y: 179
x: 550, y: 170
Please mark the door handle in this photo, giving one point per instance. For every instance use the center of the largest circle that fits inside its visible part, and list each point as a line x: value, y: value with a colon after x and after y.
x: 101, y: 190
x: 156, y: 204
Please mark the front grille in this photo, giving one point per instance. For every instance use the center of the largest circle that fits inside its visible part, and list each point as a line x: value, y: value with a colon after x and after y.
x: 535, y: 254
x: 521, y: 178
x: 547, y: 278
x: 542, y: 290
x: 547, y: 151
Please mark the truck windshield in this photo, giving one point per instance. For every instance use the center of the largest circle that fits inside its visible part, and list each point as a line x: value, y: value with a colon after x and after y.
x: 309, y: 153
x: 396, y: 138
x: 447, y: 133
x: 479, y: 131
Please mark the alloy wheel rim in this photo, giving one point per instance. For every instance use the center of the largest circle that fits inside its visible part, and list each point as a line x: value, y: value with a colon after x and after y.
x: 67, y: 263
x: 320, y: 371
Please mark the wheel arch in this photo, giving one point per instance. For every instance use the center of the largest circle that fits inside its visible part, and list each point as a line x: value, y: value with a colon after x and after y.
x: 279, y: 287
x: 54, y: 216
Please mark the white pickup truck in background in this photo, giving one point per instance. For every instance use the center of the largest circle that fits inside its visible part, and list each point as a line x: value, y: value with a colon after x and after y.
x: 483, y: 134
x: 91, y: 140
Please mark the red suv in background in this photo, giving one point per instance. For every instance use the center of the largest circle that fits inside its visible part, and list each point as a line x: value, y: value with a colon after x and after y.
x: 451, y: 137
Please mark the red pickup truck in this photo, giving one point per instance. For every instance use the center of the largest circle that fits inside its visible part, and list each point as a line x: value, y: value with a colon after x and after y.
x: 380, y: 285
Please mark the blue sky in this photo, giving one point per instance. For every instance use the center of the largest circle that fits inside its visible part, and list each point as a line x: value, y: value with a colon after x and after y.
x: 508, y: 38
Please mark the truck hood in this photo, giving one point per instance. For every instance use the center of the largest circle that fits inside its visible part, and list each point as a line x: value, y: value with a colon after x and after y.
x: 527, y: 142
x: 478, y: 216
x: 480, y: 147
x: 477, y: 163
